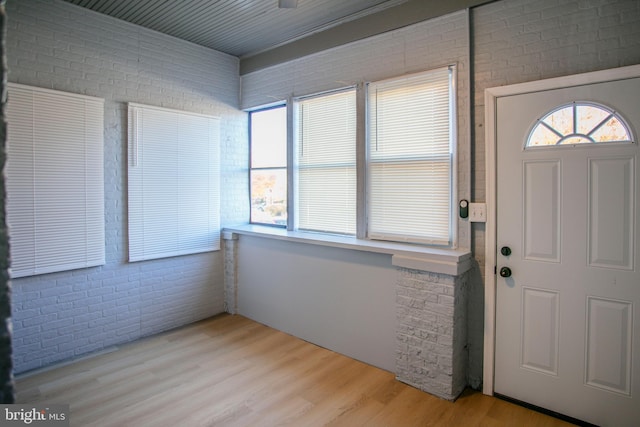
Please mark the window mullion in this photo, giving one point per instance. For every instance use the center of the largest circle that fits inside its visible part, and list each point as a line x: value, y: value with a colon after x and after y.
x: 361, y: 161
x: 292, y: 171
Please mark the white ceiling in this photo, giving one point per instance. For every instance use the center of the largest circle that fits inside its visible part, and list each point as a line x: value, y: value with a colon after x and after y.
x: 237, y: 27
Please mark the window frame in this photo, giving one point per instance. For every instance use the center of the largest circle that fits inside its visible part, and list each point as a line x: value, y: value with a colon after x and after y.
x: 189, y: 221
x: 562, y: 138
x: 54, y: 176
x: 295, y: 149
x: 450, y: 159
x: 362, y: 166
x: 286, y: 168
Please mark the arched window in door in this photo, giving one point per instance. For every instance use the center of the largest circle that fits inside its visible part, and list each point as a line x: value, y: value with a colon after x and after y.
x: 579, y: 123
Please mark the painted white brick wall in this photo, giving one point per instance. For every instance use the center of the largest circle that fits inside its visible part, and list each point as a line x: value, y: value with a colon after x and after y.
x: 56, y: 45
x: 516, y: 41
x: 512, y: 40
x: 431, y: 44
x: 432, y: 332
x: 230, y: 272
x: 428, y: 45
x: 53, y: 44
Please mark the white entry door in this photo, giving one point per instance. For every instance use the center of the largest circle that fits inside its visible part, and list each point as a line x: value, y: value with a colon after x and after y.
x: 568, y: 283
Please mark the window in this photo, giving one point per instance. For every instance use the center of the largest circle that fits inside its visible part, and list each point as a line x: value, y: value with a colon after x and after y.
x: 326, y: 169
x: 410, y: 158
x: 397, y: 185
x: 579, y: 123
x: 173, y: 183
x: 55, y: 180
x: 268, y: 132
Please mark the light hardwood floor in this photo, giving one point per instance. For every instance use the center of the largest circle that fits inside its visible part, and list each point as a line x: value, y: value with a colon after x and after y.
x: 231, y: 371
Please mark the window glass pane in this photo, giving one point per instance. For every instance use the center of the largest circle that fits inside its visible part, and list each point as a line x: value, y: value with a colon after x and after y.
x: 393, y: 185
x: 408, y: 113
x: 561, y: 120
x: 579, y: 123
x: 269, y: 196
x: 542, y: 135
x: 269, y: 166
x: 269, y: 138
x: 173, y: 184
x: 54, y: 180
x: 409, y: 152
x: 327, y: 163
x: 589, y: 117
x: 612, y: 130
x: 575, y: 139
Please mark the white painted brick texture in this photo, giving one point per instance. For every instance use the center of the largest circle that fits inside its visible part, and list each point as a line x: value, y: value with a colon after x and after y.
x: 428, y: 45
x: 56, y: 45
x: 230, y: 272
x: 432, y: 332
x: 516, y: 41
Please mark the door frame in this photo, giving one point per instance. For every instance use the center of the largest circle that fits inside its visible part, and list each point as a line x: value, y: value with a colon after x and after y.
x: 491, y: 96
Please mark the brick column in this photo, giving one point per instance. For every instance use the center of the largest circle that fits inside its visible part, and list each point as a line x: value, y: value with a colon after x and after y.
x: 431, y: 336
x: 230, y: 272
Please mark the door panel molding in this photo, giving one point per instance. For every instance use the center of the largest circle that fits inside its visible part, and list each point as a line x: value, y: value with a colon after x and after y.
x: 611, y: 179
x: 609, y: 328
x: 539, y: 352
x: 542, y: 210
x: 491, y: 97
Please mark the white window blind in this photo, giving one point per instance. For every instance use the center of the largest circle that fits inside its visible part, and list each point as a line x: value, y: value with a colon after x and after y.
x: 55, y: 190
x: 326, y: 170
x: 410, y: 158
x: 173, y: 183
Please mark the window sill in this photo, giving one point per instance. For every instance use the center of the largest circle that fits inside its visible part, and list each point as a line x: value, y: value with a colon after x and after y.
x: 452, y: 262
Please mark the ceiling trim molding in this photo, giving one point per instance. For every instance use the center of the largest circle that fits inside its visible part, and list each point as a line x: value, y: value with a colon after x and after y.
x: 403, y: 15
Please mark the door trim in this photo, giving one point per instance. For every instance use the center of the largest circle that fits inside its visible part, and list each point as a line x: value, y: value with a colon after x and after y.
x: 491, y: 96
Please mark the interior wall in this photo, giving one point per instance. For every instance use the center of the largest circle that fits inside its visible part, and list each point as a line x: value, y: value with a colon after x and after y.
x: 337, y: 298
x: 512, y: 41
x: 56, y: 45
x: 53, y: 44
x: 431, y: 44
x: 516, y: 41
x: 399, y: 16
x: 425, y: 46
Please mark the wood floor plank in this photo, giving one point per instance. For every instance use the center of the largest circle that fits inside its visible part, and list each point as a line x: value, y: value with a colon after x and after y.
x: 233, y: 372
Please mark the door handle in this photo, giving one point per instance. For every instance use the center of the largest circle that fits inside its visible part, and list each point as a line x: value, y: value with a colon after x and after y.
x: 505, y: 250
x: 505, y: 272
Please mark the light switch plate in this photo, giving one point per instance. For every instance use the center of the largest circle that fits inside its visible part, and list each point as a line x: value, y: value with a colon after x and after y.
x: 478, y: 212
